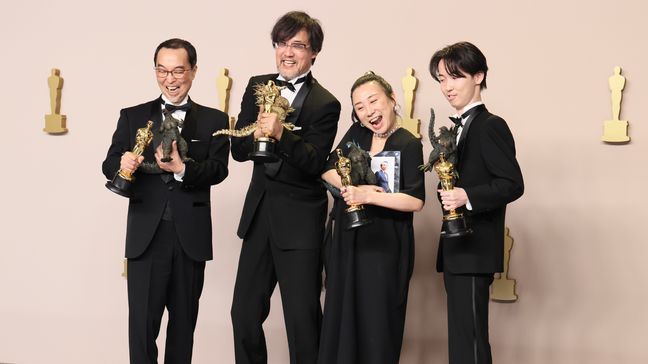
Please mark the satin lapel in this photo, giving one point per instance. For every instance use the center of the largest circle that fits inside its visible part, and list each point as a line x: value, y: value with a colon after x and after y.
x: 298, y: 102
x: 473, y: 114
x: 156, y: 117
x: 190, y: 123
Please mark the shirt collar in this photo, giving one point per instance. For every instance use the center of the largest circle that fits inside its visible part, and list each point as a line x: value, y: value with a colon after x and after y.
x: 166, y: 101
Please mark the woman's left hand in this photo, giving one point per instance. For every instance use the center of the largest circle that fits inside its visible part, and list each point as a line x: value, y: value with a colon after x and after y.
x: 356, y: 195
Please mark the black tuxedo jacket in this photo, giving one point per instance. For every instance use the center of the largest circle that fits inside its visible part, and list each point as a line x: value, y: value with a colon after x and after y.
x: 189, y: 200
x: 491, y: 177
x: 291, y: 187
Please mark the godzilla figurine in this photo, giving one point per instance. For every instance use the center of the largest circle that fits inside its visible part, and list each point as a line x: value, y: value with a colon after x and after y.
x: 165, y: 135
x: 445, y: 142
x: 361, y: 173
x: 268, y: 96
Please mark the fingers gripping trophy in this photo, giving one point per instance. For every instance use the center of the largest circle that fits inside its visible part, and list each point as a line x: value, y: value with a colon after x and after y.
x: 356, y: 214
x: 122, y: 182
x: 270, y: 100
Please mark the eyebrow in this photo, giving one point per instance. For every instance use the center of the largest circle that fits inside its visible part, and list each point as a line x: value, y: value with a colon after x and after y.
x: 368, y: 98
x: 174, y: 68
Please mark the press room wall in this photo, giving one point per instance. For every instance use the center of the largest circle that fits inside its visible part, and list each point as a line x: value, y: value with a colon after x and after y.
x: 580, y: 248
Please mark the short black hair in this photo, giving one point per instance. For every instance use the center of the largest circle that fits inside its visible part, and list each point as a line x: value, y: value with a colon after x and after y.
x: 460, y: 57
x: 177, y: 43
x: 294, y: 21
x: 370, y: 76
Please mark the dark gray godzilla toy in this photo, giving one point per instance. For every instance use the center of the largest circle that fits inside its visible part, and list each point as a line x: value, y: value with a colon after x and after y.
x: 445, y: 142
x: 165, y: 135
x: 361, y: 173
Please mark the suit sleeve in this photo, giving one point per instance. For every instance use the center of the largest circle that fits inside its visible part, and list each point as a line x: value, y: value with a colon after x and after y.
x: 121, y: 142
x: 309, y: 151
x: 506, y: 183
x: 213, y: 169
x: 241, y: 147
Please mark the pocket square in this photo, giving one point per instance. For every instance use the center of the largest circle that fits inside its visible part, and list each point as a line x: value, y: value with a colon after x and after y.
x: 195, y: 140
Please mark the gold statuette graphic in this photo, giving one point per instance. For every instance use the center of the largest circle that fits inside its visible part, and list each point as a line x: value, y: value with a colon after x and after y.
x: 409, y: 86
x: 122, y: 182
x: 454, y: 224
x: 356, y: 214
x: 268, y: 97
x: 503, y: 289
x: 55, y: 122
x: 616, y: 130
x: 224, y: 85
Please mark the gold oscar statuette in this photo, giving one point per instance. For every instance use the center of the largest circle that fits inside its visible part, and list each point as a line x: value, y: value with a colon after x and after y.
x: 454, y: 224
x: 269, y: 99
x: 122, y: 182
x: 356, y: 214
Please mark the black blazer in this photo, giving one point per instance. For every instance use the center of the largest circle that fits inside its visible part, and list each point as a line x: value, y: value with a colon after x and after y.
x: 491, y: 177
x: 291, y: 187
x: 189, y: 200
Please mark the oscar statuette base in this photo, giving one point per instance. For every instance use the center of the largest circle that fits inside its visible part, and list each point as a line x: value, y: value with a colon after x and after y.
x: 264, y: 150
x: 503, y: 290
x: 454, y: 226
x: 356, y: 217
x: 120, y: 185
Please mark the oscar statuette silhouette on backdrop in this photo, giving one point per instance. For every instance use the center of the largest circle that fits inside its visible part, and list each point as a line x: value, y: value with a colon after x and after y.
x: 503, y: 288
x: 616, y: 131
x: 55, y: 123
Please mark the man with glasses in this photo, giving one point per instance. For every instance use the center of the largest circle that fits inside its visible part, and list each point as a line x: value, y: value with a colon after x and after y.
x: 169, y: 235
x: 282, y: 224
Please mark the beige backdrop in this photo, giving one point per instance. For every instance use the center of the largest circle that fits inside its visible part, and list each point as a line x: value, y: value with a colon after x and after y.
x: 579, y: 254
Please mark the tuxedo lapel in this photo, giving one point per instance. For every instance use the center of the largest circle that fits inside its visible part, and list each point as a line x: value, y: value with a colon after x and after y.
x: 190, y: 124
x: 156, y: 117
x: 298, y: 102
x: 475, y: 113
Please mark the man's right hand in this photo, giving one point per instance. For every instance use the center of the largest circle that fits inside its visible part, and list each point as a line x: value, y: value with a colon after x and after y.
x: 130, y: 162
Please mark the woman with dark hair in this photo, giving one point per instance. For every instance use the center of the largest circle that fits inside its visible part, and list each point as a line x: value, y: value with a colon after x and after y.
x: 368, y: 268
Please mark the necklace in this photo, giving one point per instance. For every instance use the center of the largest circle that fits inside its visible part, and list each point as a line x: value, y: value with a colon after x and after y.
x: 388, y: 132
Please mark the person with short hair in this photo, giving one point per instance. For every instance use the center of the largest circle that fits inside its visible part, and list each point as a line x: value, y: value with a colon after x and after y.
x: 169, y: 231
x: 282, y: 223
x: 489, y: 179
x: 382, y: 177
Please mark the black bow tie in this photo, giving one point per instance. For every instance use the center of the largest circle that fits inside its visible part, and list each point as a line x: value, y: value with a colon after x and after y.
x: 173, y: 108
x: 456, y: 120
x: 289, y: 85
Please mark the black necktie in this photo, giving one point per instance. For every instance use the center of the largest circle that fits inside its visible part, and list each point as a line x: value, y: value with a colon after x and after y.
x: 173, y: 108
x: 289, y: 85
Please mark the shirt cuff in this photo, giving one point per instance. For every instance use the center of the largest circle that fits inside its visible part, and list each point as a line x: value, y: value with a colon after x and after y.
x: 468, y: 205
x: 179, y: 176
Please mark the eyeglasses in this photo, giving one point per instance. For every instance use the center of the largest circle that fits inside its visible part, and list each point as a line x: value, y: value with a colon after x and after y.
x: 176, y: 73
x: 299, y: 47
